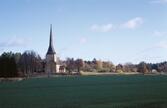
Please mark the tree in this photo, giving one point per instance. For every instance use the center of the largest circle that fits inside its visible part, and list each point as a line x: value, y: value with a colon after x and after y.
x: 30, y: 62
x: 79, y: 64
x: 108, y: 66
x: 88, y: 67
x: 142, y: 67
x: 97, y: 64
x: 8, y: 66
x: 129, y: 67
x: 70, y: 65
x: 119, y: 68
x: 162, y: 67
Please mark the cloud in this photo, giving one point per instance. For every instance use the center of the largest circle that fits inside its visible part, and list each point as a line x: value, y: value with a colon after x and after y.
x: 102, y: 28
x: 159, y: 33
x: 133, y: 23
x: 159, y: 1
x: 82, y: 40
x: 14, y: 42
x: 130, y: 24
x: 162, y: 44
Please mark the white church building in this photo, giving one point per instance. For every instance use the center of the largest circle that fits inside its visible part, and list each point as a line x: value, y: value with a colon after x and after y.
x: 52, y: 65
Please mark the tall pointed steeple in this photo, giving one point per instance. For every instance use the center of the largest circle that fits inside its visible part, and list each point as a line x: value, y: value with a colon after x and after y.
x: 51, y: 48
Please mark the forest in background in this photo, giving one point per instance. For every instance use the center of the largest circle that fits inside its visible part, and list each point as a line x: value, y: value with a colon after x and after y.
x: 30, y: 63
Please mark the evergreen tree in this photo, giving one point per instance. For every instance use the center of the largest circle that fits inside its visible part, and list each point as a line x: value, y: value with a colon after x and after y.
x: 8, y: 66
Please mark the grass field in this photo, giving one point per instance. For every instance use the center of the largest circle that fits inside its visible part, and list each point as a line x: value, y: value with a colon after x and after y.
x: 118, y: 91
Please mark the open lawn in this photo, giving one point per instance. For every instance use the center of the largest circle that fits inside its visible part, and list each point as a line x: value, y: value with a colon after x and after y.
x: 117, y: 91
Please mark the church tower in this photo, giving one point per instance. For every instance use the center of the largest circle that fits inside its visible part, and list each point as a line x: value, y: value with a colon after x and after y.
x: 51, y: 66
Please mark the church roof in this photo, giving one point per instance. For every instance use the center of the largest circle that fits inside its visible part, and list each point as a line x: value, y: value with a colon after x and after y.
x: 51, y: 48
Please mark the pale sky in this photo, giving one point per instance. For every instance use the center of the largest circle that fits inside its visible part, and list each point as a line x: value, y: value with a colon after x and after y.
x: 114, y: 30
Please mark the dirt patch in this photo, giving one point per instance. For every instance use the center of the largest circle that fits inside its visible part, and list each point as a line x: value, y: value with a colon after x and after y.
x: 10, y: 79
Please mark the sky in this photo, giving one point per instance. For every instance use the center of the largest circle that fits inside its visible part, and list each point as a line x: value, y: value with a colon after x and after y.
x: 120, y: 31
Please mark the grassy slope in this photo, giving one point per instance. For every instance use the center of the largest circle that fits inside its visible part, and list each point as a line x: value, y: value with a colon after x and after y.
x: 86, y: 92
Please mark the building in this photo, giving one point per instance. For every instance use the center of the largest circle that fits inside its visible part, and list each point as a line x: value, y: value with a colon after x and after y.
x: 52, y: 65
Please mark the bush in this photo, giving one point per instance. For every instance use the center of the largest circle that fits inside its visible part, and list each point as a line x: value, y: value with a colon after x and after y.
x: 119, y: 71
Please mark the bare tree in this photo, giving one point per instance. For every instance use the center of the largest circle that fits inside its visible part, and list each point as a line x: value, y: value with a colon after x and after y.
x: 79, y: 64
x: 30, y: 62
x: 70, y: 65
x: 142, y: 67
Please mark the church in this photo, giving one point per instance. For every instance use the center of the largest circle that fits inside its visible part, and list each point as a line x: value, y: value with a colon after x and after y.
x: 52, y: 65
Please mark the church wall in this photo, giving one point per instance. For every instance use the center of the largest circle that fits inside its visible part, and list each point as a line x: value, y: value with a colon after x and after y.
x: 50, y: 64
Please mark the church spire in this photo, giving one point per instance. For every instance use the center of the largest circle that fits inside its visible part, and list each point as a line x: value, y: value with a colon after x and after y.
x: 51, y: 48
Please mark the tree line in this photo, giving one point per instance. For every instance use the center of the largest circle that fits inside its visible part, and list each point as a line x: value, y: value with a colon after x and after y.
x: 107, y: 66
x: 17, y: 64
x: 30, y: 63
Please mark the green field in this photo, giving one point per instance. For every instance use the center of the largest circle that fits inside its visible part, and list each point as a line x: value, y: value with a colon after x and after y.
x: 119, y: 91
